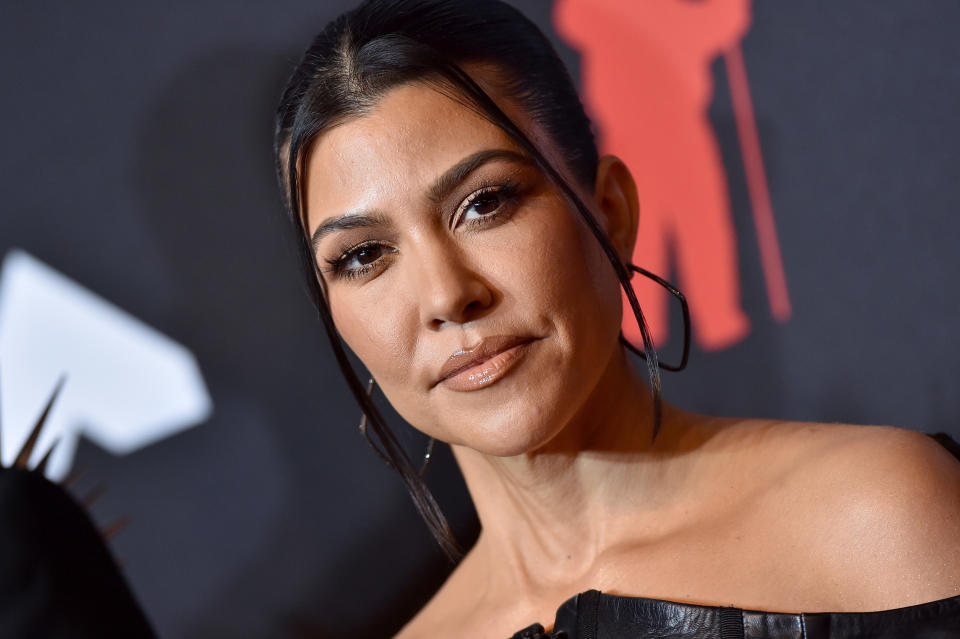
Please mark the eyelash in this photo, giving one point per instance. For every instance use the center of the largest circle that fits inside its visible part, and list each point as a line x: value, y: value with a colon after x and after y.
x: 507, y: 190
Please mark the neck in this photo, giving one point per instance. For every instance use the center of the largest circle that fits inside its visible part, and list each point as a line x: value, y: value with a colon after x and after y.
x: 548, y: 514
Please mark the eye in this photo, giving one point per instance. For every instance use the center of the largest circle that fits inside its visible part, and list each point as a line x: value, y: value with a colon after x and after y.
x: 359, y: 260
x: 483, y: 204
x: 486, y: 204
x: 368, y: 254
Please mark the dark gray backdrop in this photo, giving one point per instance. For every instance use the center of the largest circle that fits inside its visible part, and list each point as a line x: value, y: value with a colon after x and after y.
x: 136, y: 159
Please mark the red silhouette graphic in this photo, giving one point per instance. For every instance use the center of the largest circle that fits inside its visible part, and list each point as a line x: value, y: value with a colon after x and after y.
x: 647, y: 83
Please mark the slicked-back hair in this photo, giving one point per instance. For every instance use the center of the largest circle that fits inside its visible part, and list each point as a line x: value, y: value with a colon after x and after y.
x: 383, y: 44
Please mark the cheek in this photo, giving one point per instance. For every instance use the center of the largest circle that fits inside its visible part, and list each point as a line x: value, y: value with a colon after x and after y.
x: 573, y: 278
x: 373, y: 327
x: 377, y: 327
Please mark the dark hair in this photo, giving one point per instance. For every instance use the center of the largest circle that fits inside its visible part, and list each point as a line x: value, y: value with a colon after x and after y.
x: 381, y: 44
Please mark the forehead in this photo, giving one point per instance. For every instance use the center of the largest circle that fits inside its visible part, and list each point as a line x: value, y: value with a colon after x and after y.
x: 414, y: 133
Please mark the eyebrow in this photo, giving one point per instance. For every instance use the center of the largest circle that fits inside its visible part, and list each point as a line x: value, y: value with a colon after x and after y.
x: 437, y: 192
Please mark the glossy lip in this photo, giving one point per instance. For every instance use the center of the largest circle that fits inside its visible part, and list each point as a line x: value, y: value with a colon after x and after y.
x: 480, y: 365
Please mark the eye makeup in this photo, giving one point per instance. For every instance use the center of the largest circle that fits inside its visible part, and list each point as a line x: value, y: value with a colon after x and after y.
x: 368, y: 255
x: 503, y: 193
x: 492, y: 201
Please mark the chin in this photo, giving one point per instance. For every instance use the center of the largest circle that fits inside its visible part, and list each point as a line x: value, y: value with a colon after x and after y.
x: 506, y: 433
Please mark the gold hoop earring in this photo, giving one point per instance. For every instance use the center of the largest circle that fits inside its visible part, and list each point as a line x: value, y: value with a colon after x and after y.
x: 363, y: 431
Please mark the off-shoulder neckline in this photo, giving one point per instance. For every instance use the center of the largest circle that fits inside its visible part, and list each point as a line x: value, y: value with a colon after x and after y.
x: 608, y: 596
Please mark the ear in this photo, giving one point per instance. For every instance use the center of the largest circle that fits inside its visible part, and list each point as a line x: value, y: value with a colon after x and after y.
x: 616, y: 196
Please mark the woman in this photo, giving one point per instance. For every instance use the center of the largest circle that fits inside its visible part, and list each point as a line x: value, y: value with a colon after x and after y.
x: 460, y: 235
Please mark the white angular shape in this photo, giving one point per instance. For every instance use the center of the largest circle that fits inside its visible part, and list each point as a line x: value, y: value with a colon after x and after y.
x: 127, y: 384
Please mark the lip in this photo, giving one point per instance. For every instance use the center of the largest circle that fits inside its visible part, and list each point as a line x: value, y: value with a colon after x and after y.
x: 484, y: 363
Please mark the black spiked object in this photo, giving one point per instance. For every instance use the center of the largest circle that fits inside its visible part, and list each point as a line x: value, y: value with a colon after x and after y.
x: 57, y: 577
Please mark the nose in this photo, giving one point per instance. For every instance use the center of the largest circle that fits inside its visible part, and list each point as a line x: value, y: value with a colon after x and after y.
x: 450, y: 289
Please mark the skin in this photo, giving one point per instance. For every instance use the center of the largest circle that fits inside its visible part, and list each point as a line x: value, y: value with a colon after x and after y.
x: 557, y: 455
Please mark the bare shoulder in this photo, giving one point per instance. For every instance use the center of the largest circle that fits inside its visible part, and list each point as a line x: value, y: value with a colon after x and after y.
x: 875, y: 511
x: 888, y: 467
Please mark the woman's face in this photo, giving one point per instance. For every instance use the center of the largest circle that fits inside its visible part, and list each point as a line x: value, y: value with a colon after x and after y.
x: 458, y: 273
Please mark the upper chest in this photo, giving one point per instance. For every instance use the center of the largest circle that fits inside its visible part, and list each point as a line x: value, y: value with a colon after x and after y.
x: 737, y: 560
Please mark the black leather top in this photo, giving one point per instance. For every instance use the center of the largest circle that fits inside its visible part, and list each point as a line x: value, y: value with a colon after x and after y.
x: 594, y: 615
